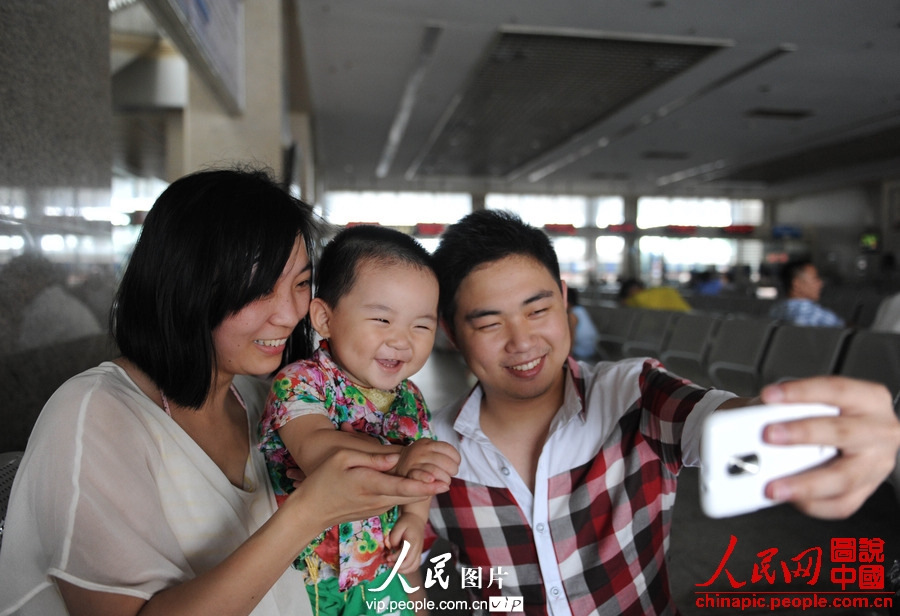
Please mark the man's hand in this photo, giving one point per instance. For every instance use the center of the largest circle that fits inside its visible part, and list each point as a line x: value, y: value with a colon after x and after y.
x: 866, y: 434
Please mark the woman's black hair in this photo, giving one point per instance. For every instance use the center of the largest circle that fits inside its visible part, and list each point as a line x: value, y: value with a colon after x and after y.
x: 213, y: 242
x: 337, y: 269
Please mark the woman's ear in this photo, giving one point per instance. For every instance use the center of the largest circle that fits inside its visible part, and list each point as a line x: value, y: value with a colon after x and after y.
x: 320, y: 317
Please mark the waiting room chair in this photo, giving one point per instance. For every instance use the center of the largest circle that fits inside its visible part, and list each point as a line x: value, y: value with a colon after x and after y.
x: 599, y: 314
x: 796, y: 352
x: 615, y: 331
x: 649, y: 333
x: 873, y: 356
x: 29, y: 378
x: 736, y: 355
x: 689, y: 342
x: 9, y: 464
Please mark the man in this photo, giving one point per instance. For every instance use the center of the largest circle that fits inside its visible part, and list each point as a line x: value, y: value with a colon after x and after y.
x: 582, y: 329
x: 802, y: 287
x: 568, y: 470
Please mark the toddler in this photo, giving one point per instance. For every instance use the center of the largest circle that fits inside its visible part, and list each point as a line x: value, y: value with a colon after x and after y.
x: 376, y: 311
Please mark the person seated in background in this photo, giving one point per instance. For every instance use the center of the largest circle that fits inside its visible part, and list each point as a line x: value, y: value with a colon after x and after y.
x: 802, y: 287
x: 39, y: 310
x: 628, y: 288
x: 707, y: 282
x: 634, y: 294
x: 584, y: 332
x: 887, y: 319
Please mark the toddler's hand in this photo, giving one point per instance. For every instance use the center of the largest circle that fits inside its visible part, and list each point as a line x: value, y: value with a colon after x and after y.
x: 409, y: 528
x: 428, y: 461
x: 296, y: 475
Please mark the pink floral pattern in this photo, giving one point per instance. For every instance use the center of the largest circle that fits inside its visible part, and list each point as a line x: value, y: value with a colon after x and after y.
x: 353, y: 551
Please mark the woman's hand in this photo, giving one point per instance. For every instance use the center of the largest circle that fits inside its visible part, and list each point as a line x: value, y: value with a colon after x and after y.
x: 354, y: 485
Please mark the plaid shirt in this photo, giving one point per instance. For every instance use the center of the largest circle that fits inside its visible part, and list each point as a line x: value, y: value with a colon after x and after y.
x: 592, y: 538
x: 805, y: 312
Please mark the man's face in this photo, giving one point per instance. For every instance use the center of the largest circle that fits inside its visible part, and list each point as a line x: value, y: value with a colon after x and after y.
x: 807, y: 284
x: 512, y: 329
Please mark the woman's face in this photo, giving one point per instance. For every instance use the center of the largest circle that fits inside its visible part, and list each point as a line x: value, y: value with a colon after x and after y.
x: 252, y: 340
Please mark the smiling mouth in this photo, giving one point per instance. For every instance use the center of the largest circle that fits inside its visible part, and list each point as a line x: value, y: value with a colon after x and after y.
x: 272, y: 343
x: 529, y: 366
x: 389, y: 363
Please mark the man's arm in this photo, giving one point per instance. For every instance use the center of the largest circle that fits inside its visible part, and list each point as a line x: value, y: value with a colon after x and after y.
x: 866, y: 434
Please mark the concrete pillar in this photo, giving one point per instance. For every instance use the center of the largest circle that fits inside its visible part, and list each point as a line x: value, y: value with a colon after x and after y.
x: 55, y: 183
x: 215, y: 138
x: 303, y: 175
x: 591, y: 252
x: 478, y: 201
x: 631, y: 255
x: 889, y: 217
x: 56, y: 130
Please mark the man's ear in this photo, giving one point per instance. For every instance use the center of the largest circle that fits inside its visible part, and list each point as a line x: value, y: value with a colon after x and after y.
x: 565, y: 293
x: 320, y: 317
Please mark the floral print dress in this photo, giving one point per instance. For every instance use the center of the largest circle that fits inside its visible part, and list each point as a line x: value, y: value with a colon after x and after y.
x: 353, y: 551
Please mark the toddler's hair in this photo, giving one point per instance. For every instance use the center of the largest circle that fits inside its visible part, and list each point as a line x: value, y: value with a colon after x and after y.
x: 343, y: 255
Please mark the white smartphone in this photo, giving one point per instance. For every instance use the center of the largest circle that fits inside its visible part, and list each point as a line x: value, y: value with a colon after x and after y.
x: 736, y: 465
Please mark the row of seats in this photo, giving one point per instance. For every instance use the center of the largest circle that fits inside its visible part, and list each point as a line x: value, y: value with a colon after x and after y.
x: 9, y: 465
x: 743, y: 354
x: 857, y: 308
x: 29, y: 378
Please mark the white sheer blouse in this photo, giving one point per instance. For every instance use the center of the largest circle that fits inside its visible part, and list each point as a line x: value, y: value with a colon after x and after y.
x: 112, y: 495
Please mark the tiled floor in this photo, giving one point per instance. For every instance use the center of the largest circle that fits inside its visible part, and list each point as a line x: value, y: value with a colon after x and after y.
x: 699, y: 544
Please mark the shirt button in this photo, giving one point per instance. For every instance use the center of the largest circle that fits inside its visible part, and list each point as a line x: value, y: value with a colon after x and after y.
x: 504, y: 470
x: 540, y: 528
x: 554, y: 591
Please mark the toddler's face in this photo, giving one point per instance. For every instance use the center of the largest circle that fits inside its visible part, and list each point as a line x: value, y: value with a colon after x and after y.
x: 382, y: 331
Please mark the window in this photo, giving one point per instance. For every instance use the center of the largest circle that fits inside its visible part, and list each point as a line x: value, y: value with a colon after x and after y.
x: 610, y: 211
x: 609, y: 257
x: 540, y: 210
x: 571, y: 253
x: 396, y: 209
x: 656, y: 212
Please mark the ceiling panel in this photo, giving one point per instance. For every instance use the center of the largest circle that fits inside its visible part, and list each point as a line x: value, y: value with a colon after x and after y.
x: 535, y: 91
x: 601, y: 96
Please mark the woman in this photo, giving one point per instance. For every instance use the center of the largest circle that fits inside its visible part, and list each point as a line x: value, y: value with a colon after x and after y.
x: 142, y: 489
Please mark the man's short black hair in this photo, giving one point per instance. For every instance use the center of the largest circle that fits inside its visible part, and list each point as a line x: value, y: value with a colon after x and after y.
x: 790, y: 270
x: 213, y: 242
x: 341, y: 259
x: 484, y: 237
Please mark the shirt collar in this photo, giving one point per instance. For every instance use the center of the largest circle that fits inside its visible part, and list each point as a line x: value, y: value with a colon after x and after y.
x: 324, y: 359
x: 467, y: 422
